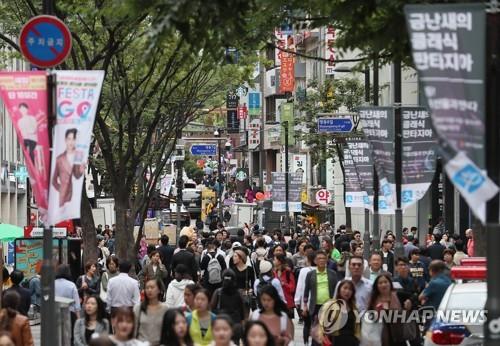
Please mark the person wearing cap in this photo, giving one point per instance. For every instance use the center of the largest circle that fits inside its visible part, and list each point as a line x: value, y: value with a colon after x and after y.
x: 267, y: 277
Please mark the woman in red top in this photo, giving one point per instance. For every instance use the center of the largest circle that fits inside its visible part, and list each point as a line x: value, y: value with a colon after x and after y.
x: 287, y: 278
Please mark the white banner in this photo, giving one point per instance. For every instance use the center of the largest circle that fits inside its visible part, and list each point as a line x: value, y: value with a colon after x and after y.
x: 474, y: 185
x: 293, y: 207
x: 166, y: 185
x: 77, y: 97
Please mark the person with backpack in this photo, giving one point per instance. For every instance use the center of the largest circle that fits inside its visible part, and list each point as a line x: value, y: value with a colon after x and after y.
x: 266, y: 278
x: 283, y: 273
x: 228, y: 300
x: 273, y: 313
x: 214, y: 265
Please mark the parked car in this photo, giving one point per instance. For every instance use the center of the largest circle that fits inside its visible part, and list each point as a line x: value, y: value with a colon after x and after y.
x: 191, y: 197
x: 466, y: 300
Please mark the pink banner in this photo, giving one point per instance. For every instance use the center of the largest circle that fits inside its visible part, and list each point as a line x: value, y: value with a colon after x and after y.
x: 25, y: 97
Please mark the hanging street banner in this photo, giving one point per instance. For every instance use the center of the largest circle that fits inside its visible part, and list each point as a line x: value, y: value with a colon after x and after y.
x: 279, y: 192
x: 287, y: 115
x: 359, y: 150
x: 354, y: 194
x: 25, y: 97
x: 77, y: 97
x: 448, y: 45
x: 166, y: 184
x: 330, y: 50
x: 378, y: 127
x: 418, y: 154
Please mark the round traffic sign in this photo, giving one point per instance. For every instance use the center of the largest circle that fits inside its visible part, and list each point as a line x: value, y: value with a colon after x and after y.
x: 323, y: 196
x: 45, y: 41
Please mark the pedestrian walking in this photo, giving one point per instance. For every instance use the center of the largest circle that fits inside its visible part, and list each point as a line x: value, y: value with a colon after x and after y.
x: 149, y: 313
x: 92, y: 323
x: 13, y: 322
x: 174, y: 330
x: 273, y: 312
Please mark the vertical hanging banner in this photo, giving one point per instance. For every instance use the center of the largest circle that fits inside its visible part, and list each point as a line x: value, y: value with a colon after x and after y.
x: 25, y: 97
x: 354, y: 194
x: 287, y: 73
x: 330, y: 50
x: 287, y: 115
x: 448, y: 45
x: 359, y: 150
x: 418, y: 154
x: 77, y: 97
x: 279, y: 192
x: 378, y: 127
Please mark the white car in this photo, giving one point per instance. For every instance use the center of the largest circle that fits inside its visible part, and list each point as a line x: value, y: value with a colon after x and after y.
x: 460, y: 318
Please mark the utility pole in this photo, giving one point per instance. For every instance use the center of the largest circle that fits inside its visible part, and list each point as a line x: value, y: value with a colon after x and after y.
x: 48, y: 309
x: 287, y: 181
x: 398, y: 159
x: 366, y: 235
x: 492, y: 127
x: 376, y: 218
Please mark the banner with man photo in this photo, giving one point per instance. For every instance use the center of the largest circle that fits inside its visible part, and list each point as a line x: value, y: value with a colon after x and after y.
x: 77, y: 98
x: 25, y: 97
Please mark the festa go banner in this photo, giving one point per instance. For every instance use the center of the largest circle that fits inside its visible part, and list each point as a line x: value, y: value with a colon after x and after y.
x: 77, y: 97
x: 448, y: 45
x: 279, y: 192
x: 25, y: 97
x: 359, y: 150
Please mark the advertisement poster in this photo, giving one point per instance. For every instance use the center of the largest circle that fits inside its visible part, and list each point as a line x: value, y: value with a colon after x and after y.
x: 28, y: 255
x: 359, y: 150
x: 287, y: 73
x: 279, y: 192
x: 448, y: 47
x: 418, y: 154
x: 77, y: 97
x: 166, y: 185
x: 287, y: 115
x: 25, y: 97
x: 378, y: 127
x: 354, y: 194
x: 299, y: 165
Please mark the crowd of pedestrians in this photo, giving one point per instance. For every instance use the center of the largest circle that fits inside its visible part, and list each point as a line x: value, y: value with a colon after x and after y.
x: 213, y: 288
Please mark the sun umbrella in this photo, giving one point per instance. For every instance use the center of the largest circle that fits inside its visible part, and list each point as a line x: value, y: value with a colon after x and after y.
x: 10, y: 232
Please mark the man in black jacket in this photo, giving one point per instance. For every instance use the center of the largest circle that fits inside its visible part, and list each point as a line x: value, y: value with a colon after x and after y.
x: 17, y: 277
x: 387, y: 256
x: 436, y: 249
x: 166, y: 253
x: 319, y: 287
x: 185, y: 257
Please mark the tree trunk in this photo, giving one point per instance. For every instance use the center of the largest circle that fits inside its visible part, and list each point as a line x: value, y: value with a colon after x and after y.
x: 124, y: 236
x: 88, y: 229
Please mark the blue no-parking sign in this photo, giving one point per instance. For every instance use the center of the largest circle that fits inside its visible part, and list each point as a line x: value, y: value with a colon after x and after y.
x: 45, y: 41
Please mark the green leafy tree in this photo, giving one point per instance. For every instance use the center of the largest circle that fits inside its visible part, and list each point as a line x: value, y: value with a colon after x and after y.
x: 332, y: 96
x: 145, y: 102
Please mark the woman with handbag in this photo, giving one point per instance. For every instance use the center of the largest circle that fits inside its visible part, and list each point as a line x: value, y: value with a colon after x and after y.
x: 385, y: 298
x: 245, y: 275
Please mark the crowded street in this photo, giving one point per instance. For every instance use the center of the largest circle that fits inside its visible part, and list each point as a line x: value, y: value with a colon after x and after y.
x: 249, y: 173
